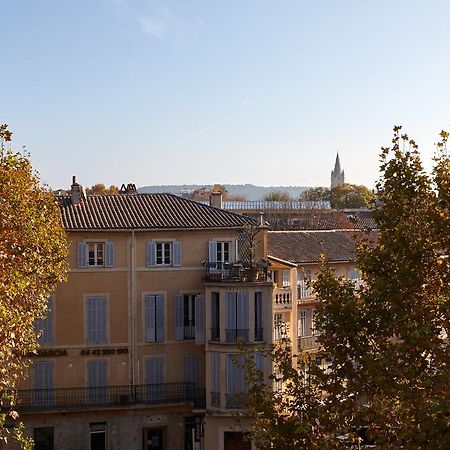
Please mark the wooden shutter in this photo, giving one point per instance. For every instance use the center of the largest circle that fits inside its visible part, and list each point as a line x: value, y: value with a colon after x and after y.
x: 230, y: 311
x: 154, y: 370
x: 97, y: 373
x: 82, y: 254
x: 42, y: 375
x: 258, y: 312
x: 259, y: 361
x: 199, y: 319
x: 159, y: 318
x: 191, y: 370
x: 176, y: 252
x: 242, y: 311
x: 215, y: 372
x: 212, y: 251
x: 179, y: 316
x: 231, y: 375
x: 96, y: 320
x: 150, y: 318
x: 109, y: 254
x: 151, y: 254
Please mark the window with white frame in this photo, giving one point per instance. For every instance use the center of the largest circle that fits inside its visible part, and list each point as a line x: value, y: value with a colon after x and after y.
x: 154, y: 317
x: 280, y: 326
x: 286, y: 278
x: 95, y: 254
x: 302, y: 330
x: 44, y: 326
x: 163, y: 253
x: 220, y: 253
x: 96, y: 319
x: 313, y: 322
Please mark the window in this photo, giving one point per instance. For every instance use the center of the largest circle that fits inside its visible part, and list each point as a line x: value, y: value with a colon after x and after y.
x: 43, y: 438
x: 191, y: 370
x: 280, y: 326
x: 215, y: 316
x: 189, y: 317
x: 97, y: 380
x: 286, y: 278
x: 98, y: 436
x: 259, y: 329
x: 154, y: 379
x: 166, y: 253
x: 215, y: 379
x: 302, y: 322
x: 154, y: 318
x: 220, y: 253
x: 273, y: 275
x: 95, y: 254
x: 44, y: 327
x: 42, y: 383
x: 236, y: 381
x: 313, y: 322
x: 304, y: 289
x: 236, y: 316
x: 96, y: 319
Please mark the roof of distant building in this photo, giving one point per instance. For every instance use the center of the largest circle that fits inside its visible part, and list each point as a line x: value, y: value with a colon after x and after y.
x: 308, y: 246
x: 144, y: 211
x: 262, y: 205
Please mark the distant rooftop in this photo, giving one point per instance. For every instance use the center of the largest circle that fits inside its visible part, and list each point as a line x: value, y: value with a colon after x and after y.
x: 262, y: 205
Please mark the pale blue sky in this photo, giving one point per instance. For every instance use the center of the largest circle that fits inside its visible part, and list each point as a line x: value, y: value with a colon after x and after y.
x: 230, y: 91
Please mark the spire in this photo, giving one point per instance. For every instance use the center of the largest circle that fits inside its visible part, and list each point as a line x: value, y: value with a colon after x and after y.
x: 337, y: 175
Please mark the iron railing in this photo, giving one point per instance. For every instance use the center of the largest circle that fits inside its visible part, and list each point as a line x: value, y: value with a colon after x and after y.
x: 215, y: 334
x: 235, y: 334
x: 308, y: 343
x: 237, y: 271
x: 237, y: 400
x: 109, y: 396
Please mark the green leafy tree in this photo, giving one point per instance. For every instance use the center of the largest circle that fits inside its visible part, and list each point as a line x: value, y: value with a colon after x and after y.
x: 351, y: 196
x: 33, y: 252
x: 387, y: 341
x: 277, y: 196
x: 316, y: 194
x: 101, y: 189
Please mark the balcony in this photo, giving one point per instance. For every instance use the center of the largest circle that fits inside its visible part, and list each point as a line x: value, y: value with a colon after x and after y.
x: 282, y: 297
x: 34, y: 400
x: 236, y: 400
x: 235, y: 272
x: 304, y: 291
x: 308, y: 343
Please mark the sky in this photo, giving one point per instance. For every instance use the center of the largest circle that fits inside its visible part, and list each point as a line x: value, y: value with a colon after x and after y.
x: 232, y: 91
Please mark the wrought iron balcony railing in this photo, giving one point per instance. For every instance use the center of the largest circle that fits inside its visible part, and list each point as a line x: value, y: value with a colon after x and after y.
x: 237, y: 400
x: 308, y: 342
x: 235, y: 271
x: 108, y: 396
x: 235, y: 334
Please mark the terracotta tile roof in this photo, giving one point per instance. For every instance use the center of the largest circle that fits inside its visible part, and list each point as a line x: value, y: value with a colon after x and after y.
x: 144, y: 211
x: 307, y: 246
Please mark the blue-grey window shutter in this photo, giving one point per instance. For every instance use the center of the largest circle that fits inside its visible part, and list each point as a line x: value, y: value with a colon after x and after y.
x: 97, y: 373
x: 109, y: 254
x: 215, y: 372
x: 154, y: 370
x: 212, y: 251
x: 199, y: 319
x: 151, y: 254
x: 231, y: 375
x: 259, y: 361
x: 242, y: 310
x: 230, y: 311
x: 42, y: 375
x: 159, y: 318
x: 96, y: 320
x: 179, y: 314
x: 176, y: 252
x: 150, y: 318
x: 259, y: 310
x: 191, y: 370
x: 82, y: 254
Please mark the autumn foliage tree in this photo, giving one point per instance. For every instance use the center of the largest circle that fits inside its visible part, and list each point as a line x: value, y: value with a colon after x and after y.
x: 33, y: 253
x: 386, y: 342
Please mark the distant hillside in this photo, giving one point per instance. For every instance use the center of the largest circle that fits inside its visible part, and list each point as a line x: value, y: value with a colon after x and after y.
x: 250, y: 191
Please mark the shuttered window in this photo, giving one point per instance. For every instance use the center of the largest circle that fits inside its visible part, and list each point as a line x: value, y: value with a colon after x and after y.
x: 95, y: 254
x: 96, y: 320
x: 236, y: 316
x: 154, y: 318
x: 42, y: 374
x: 154, y: 370
x: 97, y: 380
x: 191, y: 370
x: 44, y: 327
x: 259, y: 327
x: 164, y: 253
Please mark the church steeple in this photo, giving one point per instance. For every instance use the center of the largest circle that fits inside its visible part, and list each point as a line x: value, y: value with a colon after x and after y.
x: 337, y: 175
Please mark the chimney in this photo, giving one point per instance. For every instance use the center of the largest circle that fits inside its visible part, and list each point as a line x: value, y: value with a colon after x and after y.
x: 76, y: 192
x: 215, y: 199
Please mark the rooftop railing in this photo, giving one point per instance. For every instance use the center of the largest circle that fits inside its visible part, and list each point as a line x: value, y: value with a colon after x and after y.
x: 235, y: 271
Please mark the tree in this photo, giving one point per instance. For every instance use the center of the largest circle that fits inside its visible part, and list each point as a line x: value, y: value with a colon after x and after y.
x: 33, y: 252
x: 101, y: 189
x: 386, y: 341
x: 277, y: 196
x: 316, y: 194
x: 351, y: 196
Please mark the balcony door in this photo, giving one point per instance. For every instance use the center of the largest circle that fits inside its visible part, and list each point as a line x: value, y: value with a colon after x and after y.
x: 153, y: 439
x: 97, y: 380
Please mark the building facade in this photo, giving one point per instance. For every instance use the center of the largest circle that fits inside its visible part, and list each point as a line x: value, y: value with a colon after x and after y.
x: 141, y: 348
